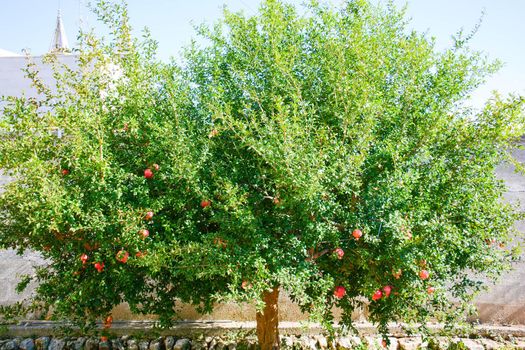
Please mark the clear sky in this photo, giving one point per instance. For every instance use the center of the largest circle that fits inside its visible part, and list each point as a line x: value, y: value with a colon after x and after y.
x: 30, y: 24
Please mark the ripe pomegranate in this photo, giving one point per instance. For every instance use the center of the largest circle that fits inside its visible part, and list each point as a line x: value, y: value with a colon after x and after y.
x: 424, y: 274
x: 387, y: 290
x: 108, y: 321
x: 339, y: 252
x: 65, y: 172
x: 431, y: 290
x: 205, y: 203
x: 84, y: 258
x: 339, y: 292
x: 357, y: 233
x: 377, y: 295
x: 144, y: 233
x: 122, y: 256
x: 148, y: 174
x: 149, y: 215
x: 99, y: 266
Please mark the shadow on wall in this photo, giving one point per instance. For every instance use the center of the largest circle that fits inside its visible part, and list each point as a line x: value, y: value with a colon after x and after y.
x: 288, y: 311
x: 501, y: 314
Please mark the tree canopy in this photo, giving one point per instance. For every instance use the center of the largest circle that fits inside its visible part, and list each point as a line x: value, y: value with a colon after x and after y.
x: 328, y: 152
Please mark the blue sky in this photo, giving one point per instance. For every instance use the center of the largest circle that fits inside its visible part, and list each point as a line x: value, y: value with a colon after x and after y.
x: 30, y: 24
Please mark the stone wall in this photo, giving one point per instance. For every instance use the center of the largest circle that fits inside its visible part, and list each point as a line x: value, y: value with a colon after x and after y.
x: 230, y: 342
x: 240, y: 336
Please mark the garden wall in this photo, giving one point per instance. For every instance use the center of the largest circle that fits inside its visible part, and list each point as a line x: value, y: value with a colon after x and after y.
x: 505, y: 301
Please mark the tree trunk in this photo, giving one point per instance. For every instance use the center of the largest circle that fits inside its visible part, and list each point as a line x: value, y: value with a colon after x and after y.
x: 268, y: 321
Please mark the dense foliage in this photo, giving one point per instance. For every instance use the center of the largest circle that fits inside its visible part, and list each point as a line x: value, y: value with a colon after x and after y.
x: 328, y: 151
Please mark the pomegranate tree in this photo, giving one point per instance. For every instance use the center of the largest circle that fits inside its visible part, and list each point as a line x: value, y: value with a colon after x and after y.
x: 325, y: 153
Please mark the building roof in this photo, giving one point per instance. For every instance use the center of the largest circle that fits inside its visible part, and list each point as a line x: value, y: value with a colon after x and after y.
x: 5, y: 53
